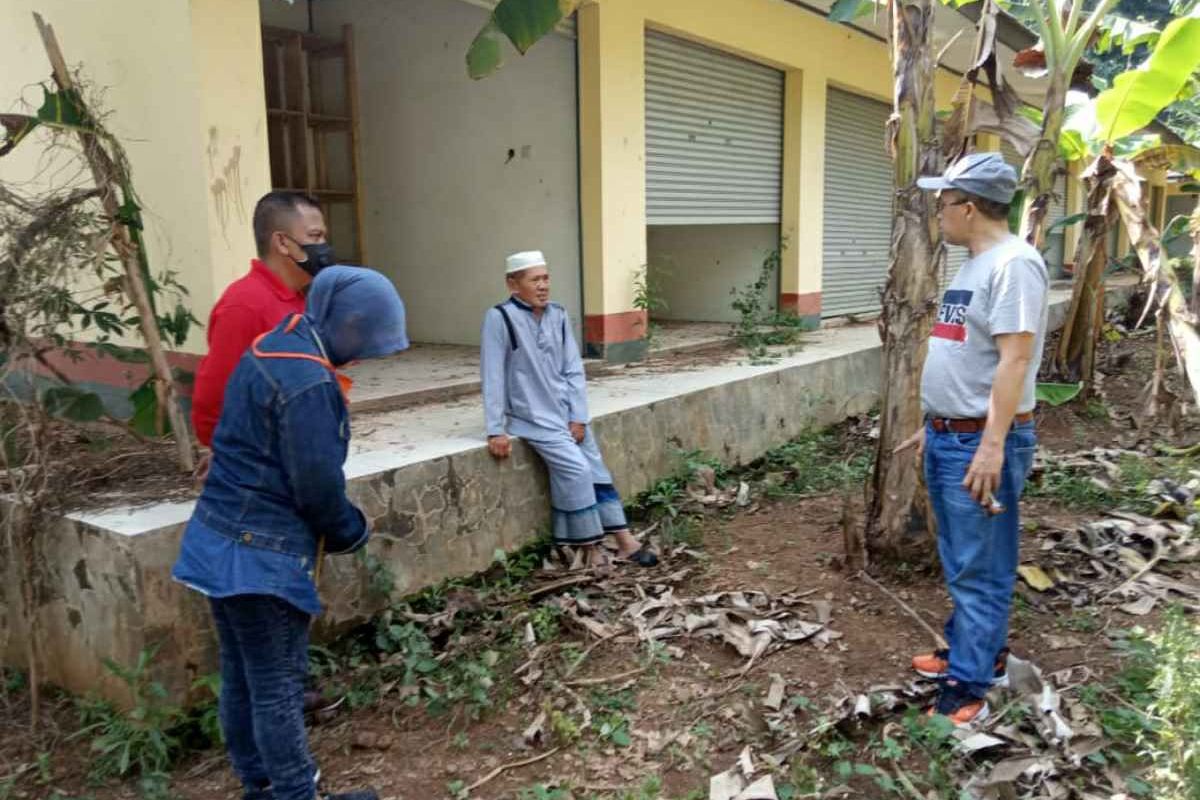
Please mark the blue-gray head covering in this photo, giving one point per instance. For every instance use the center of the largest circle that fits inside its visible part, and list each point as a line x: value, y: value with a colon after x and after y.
x: 984, y: 175
x: 358, y: 314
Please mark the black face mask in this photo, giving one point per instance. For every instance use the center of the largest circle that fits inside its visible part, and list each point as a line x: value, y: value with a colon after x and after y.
x: 317, y: 257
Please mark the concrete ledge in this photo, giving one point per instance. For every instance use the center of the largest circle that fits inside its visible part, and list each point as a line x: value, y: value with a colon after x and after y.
x: 440, y: 506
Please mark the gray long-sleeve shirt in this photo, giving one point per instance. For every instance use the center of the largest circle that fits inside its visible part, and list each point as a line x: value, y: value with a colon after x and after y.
x: 539, y: 385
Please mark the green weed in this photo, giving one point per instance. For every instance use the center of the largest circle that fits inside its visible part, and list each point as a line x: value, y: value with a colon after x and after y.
x: 1081, y: 621
x: 1173, y: 745
x: 142, y: 741
x: 665, y: 498
x: 1096, y: 409
x: 758, y: 328
x: 613, y: 728
x: 1072, y: 488
x: 442, y: 683
x: 648, y: 296
x: 649, y: 789
x: 542, y: 792
x: 815, y: 462
x: 545, y: 622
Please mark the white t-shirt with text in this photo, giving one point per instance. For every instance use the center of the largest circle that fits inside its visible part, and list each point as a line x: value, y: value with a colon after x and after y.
x: 1002, y: 290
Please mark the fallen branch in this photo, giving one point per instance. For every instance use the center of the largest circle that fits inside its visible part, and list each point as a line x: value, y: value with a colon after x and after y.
x: 607, y: 679
x: 554, y: 586
x: 500, y: 770
x: 937, y: 637
x: 1181, y: 452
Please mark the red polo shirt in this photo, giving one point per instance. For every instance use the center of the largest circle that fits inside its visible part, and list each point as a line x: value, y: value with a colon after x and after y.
x: 250, y: 306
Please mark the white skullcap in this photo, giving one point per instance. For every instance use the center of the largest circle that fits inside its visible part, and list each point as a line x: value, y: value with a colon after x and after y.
x: 521, y: 261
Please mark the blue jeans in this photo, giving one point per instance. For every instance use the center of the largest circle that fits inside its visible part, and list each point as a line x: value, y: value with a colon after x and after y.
x: 264, y: 664
x: 979, y: 552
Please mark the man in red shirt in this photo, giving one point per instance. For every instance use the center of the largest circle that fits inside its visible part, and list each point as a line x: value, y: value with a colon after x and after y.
x: 290, y: 234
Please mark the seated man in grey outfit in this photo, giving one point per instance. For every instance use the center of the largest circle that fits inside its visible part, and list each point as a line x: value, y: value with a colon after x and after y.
x: 533, y: 377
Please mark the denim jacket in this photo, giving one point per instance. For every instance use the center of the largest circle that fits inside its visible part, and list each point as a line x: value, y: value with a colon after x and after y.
x: 276, y: 486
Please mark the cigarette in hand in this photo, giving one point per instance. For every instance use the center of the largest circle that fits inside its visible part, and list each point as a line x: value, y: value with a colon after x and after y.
x: 993, y: 506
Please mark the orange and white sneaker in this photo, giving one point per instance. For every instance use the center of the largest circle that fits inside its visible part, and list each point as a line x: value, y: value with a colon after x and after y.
x: 933, y: 665
x: 936, y: 665
x: 963, y: 708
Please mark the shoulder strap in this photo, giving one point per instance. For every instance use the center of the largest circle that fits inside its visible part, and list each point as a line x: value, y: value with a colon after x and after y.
x: 512, y: 333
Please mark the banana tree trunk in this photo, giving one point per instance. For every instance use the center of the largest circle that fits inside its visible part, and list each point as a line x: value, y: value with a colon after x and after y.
x: 1042, y: 163
x: 899, y: 520
x: 1194, y: 229
x: 1166, y: 296
x: 1075, y: 358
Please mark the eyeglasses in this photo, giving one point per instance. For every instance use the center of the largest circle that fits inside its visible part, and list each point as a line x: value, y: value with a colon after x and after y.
x: 943, y: 205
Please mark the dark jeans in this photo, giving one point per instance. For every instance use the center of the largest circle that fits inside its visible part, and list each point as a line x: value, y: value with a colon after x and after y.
x: 264, y: 664
x: 979, y: 552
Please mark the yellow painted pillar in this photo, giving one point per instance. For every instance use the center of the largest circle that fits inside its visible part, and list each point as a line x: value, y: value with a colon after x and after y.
x: 802, y: 207
x: 987, y: 143
x: 612, y: 152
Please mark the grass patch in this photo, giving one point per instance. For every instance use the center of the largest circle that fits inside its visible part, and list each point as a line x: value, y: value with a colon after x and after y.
x: 1150, y: 712
x: 146, y: 739
x: 1075, y: 488
x: 816, y: 462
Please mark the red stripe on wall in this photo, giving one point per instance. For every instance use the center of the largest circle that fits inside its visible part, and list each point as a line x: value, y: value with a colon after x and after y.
x: 92, y: 367
x: 802, y: 305
x: 628, y: 326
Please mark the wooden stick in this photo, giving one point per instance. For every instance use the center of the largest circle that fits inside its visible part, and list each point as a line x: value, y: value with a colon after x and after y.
x: 941, y: 643
x: 107, y: 176
x: 498, y: 771
x: 565, y: 583
x: 607, y: 679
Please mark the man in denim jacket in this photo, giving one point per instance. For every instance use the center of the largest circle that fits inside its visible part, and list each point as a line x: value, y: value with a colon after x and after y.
x: 275, y: 498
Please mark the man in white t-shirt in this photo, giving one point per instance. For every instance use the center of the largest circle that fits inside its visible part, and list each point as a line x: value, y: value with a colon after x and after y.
x: 977, y: 393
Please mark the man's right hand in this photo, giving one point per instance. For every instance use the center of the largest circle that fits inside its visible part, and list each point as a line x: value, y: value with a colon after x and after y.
x: 499, y: 446
x: 917, y: 440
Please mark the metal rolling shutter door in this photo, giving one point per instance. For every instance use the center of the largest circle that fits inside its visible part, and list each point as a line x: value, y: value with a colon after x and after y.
x: 858, y: 204
x: 714, y: 136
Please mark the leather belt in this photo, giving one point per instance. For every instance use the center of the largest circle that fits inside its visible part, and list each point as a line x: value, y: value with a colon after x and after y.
x: 971, y: 425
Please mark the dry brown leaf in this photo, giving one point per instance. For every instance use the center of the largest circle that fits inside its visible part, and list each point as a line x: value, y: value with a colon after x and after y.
x: 774, y: 698
x: 1140, y: 607
x: 1035, y: 577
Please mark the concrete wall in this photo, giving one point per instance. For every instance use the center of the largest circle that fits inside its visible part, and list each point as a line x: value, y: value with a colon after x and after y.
x: 113, y: 596
x: 438, y: 515
x: 696, y: 266
x: 457, y: 173
x: 182, y: 83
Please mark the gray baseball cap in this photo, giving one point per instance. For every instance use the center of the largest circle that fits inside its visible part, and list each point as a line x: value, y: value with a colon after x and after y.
x: 984, y: 175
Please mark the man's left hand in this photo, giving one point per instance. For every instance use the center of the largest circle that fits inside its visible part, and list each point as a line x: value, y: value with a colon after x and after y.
x: 983, y: 476
x: 578, y: 429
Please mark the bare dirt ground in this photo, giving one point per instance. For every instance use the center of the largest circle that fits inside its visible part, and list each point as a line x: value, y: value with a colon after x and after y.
x: 642, y: 717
